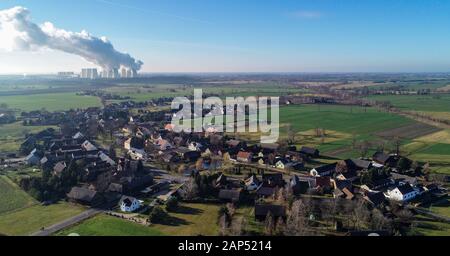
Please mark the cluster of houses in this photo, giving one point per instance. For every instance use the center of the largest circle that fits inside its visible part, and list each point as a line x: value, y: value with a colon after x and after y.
x: 148, y: 138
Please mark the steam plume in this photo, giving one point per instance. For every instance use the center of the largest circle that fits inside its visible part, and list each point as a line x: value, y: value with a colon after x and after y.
x: 18, y: 32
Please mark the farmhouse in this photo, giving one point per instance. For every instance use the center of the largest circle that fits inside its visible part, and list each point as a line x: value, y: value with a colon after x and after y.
x: 325, y: 170
x: 129, y: 204
x: 230, y: 195
x: 85, y: 196
x: 402, y: 193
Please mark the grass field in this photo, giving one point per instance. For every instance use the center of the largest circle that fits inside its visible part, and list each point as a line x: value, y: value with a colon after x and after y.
x: 51, y: 102
x: 432, y: 103
x: 31, y: 219
x: 189, y: 220
x: 12, y: 197
x: 104, y: 225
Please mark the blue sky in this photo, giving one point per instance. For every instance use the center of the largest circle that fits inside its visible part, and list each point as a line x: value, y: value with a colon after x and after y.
x: 251, y: 35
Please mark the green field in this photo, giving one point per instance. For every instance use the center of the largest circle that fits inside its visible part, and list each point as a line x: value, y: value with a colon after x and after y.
x: 431, y: 103
x: 28, y: 220
x: 50, y: 102
x: 103, y: 225
x: 189, y: 220
x: 12, y: 197
x: 342, y: 122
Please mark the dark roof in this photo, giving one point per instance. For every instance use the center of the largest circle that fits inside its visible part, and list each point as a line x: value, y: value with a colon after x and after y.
x: 341, y: 184
x: 364, y: 164
x: 405, y: 189
x: 82, y: 194
x: 266, y: 191
x: 230, y: 194
x: 275, y: 210
x: 59, y: 167
x: 375, y: 198
x: 309, y: 151
x: 326, y: 168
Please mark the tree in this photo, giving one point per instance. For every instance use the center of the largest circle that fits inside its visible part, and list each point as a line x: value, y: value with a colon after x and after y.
x: 404, y: 164
x: 269, y: 225
x: 190, y: 190
x: 157, y: 215
x: 172, y: 204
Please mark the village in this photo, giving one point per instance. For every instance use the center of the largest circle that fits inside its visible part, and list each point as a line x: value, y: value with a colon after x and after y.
x: 127, y: 162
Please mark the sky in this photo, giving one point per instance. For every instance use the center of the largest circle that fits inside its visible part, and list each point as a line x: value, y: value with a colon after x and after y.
x: 249, y: 35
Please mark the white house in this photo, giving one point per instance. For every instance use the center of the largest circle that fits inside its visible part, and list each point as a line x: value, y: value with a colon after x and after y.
x: 402, y: 193
x: 129, y: 204
x: 195, y: 146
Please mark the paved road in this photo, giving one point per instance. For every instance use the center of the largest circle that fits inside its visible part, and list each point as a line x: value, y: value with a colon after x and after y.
x: 68, y: 222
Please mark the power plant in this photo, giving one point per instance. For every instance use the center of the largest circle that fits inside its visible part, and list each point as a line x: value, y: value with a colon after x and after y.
x: 92, y: 73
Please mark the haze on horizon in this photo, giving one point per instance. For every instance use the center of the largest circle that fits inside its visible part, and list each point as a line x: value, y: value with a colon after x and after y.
x: 247, y: 36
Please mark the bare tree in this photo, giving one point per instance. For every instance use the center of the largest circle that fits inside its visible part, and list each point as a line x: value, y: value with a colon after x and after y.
x: 190, y: 189
x: 269, y: 226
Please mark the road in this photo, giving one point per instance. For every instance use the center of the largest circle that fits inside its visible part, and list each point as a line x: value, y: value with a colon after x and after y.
x: 67, y: 223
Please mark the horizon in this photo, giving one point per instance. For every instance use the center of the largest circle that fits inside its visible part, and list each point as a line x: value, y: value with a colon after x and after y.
x: 247, y: 37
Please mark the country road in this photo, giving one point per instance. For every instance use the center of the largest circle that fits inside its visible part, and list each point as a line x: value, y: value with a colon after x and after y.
x: 67, y: 223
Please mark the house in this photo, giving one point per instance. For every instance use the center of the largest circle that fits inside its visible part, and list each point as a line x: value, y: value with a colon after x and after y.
x: 282, y: 164
x: 265, y: 191
x: 129, y: 204
x: 85, y: 196
x: 244, y: 157
x: 163, y: 144
x: 324, y: 170
x: 134, y: 143
x: 298, y: 186
x: 235, y: 144
x: 402, y: 193
x: 230, y: 195
x: 221, y: 181
x: 268, y: 148
x: 385, y: 159
x: 252, y: 183
x: 262, y: 210
x: 312, y: 152
x: 59, y: 168
x: 34, y: 157
x: 195, y: 146
x: 88, y: 146
x: 273, y: 180
x: 375, y: 198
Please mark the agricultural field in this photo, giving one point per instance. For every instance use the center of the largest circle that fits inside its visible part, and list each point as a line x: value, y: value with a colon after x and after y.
x: 341, y: 125
x: 50, y: 102
x: 12, y: 197
x: 189, y: 220
x: 429, y: 103
x: 31, y: 219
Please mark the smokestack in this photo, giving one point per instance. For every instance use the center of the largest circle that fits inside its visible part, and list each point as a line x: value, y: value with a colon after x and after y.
x: 18, y: 32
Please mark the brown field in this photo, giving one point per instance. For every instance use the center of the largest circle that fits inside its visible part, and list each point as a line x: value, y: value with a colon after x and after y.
x: 409, y: 131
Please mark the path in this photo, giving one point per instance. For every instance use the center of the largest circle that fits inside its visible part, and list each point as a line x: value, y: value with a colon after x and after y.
x: 67, y: 223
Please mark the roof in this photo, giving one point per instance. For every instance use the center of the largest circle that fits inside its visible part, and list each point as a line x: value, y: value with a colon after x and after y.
x: 251, y: 180
x: 233, y: 143
x: 230, y: 194
x: 128, y: 200
x: 266, y: 191
x: 275, y: 210
x: 405, y: 189
x: 244, y: 155
x: 381, y: 157
x: 375, y: 198
x: 272, y: 146
x: 326, y: 168
x: 82, y: 194
x: 59, y: 167
x: 309, y: 151
x: 364, y: 164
